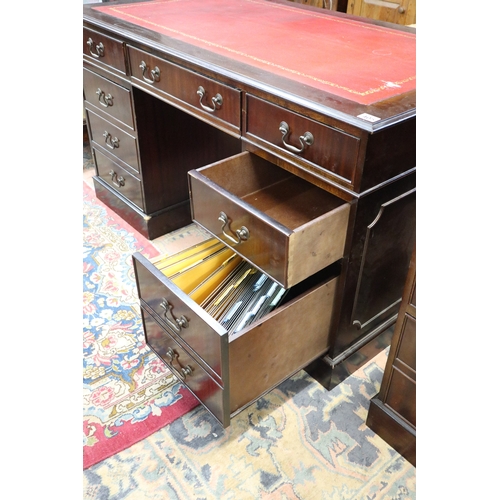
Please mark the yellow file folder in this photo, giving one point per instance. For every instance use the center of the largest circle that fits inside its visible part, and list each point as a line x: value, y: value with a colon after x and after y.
x: 190, y: 277
x: 181, y: 261
x: 211, y: 282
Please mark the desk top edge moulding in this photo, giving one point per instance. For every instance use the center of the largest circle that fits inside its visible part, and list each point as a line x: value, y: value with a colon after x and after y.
x: 360, y: 71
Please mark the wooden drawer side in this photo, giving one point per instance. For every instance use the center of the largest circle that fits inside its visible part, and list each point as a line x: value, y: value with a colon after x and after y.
x: 311, y: 251
x: 282, y: 343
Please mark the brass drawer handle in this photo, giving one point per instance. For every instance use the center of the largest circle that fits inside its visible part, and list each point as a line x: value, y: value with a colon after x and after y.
x: 117, y: 181
x: 99, y: 48
x: 175, y: 323
x: 305, y: 140
x: 216, y: 100
x: 112, y: 143
x: 105, y: 100
x: 155, y: 73
x: 242, y: 234
x: 185, y: 371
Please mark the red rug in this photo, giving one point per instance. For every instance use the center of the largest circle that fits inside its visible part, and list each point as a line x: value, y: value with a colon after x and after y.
x: 348, y: 58
x: 128, y: 394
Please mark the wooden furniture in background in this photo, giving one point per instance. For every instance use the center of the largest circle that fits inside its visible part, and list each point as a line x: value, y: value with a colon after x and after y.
x: 324, y: 4
x: 392, y: 413
x: 162, y: 101
x: 391, y: 11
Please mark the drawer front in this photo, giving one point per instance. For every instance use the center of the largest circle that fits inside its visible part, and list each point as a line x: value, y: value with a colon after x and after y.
x: 182, y: 317
x: 108, y: 97
x: 185, y: 367
x: 266, y: 246
x: 104, y: 49
x: 289, y: 228
x: 413, y: 296
x: 114, y: 140
x: 401, y: 396
x: 119, y: 179
x: 194, y: 91
x: 407, y: 348
x: 333, y: 150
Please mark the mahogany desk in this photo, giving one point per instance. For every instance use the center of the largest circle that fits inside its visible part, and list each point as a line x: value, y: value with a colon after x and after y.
x: 172, y: 86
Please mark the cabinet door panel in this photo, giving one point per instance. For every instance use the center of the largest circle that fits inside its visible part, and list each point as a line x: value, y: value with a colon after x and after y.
x: 388, y: 243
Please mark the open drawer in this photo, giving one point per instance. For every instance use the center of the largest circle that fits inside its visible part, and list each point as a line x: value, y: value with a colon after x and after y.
x: 286, y: 226
x: 225, y: 370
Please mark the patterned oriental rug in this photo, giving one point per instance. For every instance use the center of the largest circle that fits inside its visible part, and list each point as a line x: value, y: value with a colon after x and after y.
x: 298, y: 442
x: 127, y: 392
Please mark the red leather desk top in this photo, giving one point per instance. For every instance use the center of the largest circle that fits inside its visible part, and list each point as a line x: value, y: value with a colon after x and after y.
x: 348, y: 58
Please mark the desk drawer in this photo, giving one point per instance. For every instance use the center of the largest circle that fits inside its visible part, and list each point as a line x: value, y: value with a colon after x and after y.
x: 108, y: 97
x: 106, y: 50
x: 285, y: 226
x: 329, y: 148
x: 170, y: 304
x: 114, y: 140
x: 401, y: 395
x: 265, y: 352
x: 119, y: 179
x: 211, y: 98
x: 183, y: 365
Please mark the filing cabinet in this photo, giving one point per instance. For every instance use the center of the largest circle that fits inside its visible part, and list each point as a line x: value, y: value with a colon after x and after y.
x: 229, y: 372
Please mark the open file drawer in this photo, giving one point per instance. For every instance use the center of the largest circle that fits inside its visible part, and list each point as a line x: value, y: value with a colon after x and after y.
x: 284, y: 225
x: 228, y: 372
